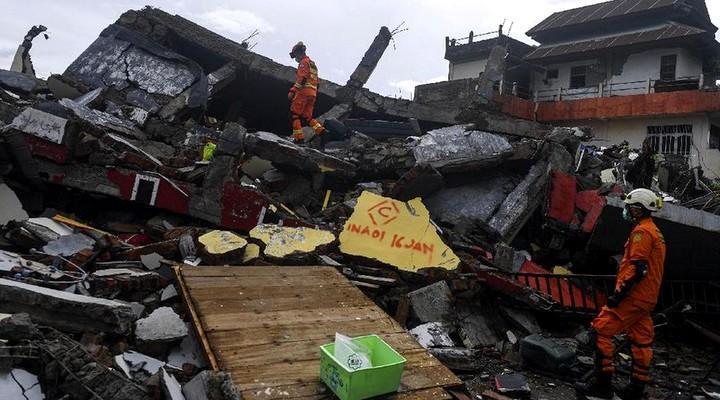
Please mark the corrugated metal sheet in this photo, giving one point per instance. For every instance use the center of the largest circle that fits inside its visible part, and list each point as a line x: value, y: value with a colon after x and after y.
x: 598, y: 12
x: 669, y: 31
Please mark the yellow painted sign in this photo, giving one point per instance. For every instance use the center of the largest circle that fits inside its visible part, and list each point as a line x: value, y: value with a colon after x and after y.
x: 281, y: 241
x: 396, y: 233
x: 221, y: 242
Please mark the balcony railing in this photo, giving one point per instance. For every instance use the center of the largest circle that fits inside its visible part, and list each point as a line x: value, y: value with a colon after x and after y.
x: 612, y: 88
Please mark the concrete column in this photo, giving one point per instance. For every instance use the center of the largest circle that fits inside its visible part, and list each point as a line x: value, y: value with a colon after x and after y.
x: 369, y: 61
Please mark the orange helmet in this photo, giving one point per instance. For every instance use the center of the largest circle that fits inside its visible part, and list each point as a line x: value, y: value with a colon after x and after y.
x: 298, y: 48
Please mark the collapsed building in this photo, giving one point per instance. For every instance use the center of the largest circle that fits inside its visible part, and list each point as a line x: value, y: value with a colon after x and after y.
x: 115, y: 212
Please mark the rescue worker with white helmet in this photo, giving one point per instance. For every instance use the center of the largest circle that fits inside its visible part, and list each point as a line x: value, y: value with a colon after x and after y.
x: 629, y: 308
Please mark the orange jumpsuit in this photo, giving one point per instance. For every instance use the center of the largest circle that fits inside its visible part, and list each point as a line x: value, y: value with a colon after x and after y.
x: 303, y: 94
x: 632, y: 315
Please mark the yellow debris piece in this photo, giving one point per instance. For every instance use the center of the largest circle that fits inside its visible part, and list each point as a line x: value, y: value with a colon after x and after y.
x: 222, y: 242
x: 252, y: 252
x: 396, y: 233
x: 282, y: 241
x: 558, y: 270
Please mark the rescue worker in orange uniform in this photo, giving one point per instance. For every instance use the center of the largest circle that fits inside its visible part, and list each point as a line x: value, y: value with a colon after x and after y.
x: 628, y: 309
x: 303, y: 94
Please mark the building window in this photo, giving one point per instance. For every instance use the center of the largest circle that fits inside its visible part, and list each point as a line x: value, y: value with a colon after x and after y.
x: 668, y: 65
x: 714, y: 137
x: 577, y: 76
x: 671, y: 139
x: 552, y: 74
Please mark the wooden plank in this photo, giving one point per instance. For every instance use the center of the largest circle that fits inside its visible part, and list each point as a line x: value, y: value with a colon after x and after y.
x: 300, y: 350
x: 265, y: 325
x: 291, y: 302
x: 422, y: 371
x: 291, y: 333
x: 269, y: 271
x: 230, y: 320
x: 197, y: 325
x: 265, y: 292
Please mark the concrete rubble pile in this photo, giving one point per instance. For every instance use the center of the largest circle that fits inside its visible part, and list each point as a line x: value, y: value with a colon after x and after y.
x: 165, y: 144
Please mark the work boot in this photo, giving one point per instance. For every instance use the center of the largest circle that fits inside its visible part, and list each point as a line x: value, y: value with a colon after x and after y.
x: 599, y: 386
x: 633, y: 391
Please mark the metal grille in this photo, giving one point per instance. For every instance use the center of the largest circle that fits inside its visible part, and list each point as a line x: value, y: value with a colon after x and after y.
x: 671, y: 139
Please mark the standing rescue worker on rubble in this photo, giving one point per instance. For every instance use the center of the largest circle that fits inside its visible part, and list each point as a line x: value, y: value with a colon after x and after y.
x: 303, y: 94
x: 628, y: 309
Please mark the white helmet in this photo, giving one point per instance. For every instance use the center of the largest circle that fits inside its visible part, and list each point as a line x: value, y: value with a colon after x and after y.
x: 646, y: 198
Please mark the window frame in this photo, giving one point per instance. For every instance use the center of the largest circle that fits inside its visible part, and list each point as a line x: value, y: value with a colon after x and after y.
x: 574, y: 75
x: 555, y: 71
x: 671, y: 139
x: 664, y: 74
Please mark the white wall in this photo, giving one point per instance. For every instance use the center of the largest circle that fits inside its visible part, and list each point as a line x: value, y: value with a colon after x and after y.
x: 634, y: 130
x: 549, y: 91
x: 637, y: 68
x: 644, y: 65
x: 470, y: 69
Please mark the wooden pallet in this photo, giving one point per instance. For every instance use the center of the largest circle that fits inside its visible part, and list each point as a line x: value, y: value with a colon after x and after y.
x: 265, y: 326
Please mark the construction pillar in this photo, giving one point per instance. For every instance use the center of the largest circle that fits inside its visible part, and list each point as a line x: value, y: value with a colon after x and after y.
x: 372, y: 56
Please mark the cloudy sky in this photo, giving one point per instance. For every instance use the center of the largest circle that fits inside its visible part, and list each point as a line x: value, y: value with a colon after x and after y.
x: 337, y: 32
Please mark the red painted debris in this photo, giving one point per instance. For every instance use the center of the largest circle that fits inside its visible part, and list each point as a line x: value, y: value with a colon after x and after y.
x: 562, y: 197
x: 241, y: 207
x: 45, y: 149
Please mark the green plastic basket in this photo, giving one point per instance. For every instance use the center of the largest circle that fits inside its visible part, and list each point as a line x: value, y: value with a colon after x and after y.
x: 383, y: 377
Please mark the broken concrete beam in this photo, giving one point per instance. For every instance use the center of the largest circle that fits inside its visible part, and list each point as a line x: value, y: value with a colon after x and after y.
x: 459, y: 358
x: 460, y: 149
x: 370, y: 60
x: 395, y: 233
x: 17, y: 82
x: 477, y: 329
x: 521, y: 203
x: 496, y: 122
x: 281, y: 242
x: 374, y: 158
x: 433, y: 334
x: 66, y: 311
x: 282, y: 152
x: 162, y: 326
x: 493, y: 73
x: 433, y: 303
x: 102, y: 119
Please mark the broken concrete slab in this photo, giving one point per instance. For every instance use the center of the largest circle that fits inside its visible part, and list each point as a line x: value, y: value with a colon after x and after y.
x: 67, y: 311
x: 12, y: 209
x: 161, y: 326
x: 433, y: 303
x: 211, y: 385
x: 20, y: 384
x: 169, y: 293
x: 138, y: 366
x: 459, y: 358
x: 433, y: 334
x: 395, y: 233
x: 170, y: 386
x: 17, y: 327
x: 465, y: 207
x: 282, y: 152
x: 41, y: 124
x: 477, y: 329
x: 460, y: 148
x: 19, y: 82
x: 522, y: 319
x: 222, y: 247
x: 283, y: 241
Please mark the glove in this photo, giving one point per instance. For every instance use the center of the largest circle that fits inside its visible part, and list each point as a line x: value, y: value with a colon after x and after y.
x: 291, y: 95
